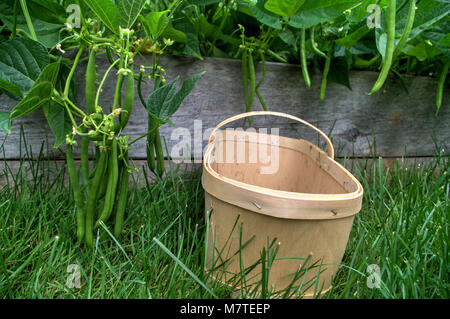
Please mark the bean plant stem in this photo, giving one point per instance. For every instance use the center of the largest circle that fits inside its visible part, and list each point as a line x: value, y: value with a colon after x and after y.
x: 23, y: 4
x: 74, y: 124
x: 219, y: 30
x: 14, y: 21
x: 90, y: 82
x: 103, y: 81
x: 142, y: 136
x: 123, y: 63
x: 81, y: 113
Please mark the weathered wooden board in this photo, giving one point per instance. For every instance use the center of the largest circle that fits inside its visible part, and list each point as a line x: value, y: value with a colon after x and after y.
x: 52, y: 168
x: 398, y: 123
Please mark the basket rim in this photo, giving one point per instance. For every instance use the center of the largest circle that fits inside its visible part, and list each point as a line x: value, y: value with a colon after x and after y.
x: 285, y: 194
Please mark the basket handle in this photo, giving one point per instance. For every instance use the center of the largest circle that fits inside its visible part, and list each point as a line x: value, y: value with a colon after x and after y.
x: 279, y: 114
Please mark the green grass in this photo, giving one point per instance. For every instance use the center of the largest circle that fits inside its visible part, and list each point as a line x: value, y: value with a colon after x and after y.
x: 402, y: 227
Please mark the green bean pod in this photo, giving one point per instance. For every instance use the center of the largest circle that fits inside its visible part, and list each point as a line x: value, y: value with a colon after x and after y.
x: 91, y: 76
x: 390, y: 41
x: 326, y: 69
x: 97, y: 154
x: 139, y: 89
x: 77, y: 195
x: 105, y: 203
x: 104, y: 184
x: 128, y: 101
x: 159, y: 154
x: 313, y: 44
x: 360, y: 63
x: 407, y: 31
x: 150, y: 147
x: 118, y: 96
x: 440, y: 88
x: 251, y: 72
x: 303, y: 58
x: 122, y: 198
x: 264, y: 70
x: 261, y: 100
x: 244, y: 71
x: 112, y: 184
x: 276, y: 56
x: 92, y: 198
x: 85, y: 159
x: 110, y: 57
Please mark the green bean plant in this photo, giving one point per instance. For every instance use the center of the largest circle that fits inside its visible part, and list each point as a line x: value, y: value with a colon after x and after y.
x: 252, y: 49
x: 120, y: 32
x: 332, y: 36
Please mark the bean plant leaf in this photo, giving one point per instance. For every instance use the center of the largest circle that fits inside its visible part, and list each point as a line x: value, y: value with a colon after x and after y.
x: 445, y: 40
x: 285, y: 8
x: 422, y: 51
x: 21, y: 62
x: 339, y: 72
x: 10, y: 87
x: 288, y: 37
x: 36, y: 97
x: 427, y: 16
x: 314, y: 12
x: 165, y: 101
x: 352, y: 38
x: 176, y: 35
x: 155, y: 23
x: 50, y: 73
x: 202, y: 2
x: 47, y: 10
x: 263, y: 15
x: 5, y: 122
x: 59, y: 122
x: 47, y: 23
x: 192, y: 47
x: 208, y: 29
x: 56, y: 115
x: 107, y: 12
x: 129, y: 10
x: 40, y: 93
x: 440, y: 38
x: 158, y: 101
x: 381, y: 40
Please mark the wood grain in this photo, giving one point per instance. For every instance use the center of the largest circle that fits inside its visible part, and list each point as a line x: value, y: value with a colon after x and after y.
x: 357, y: 166
x: 391, y: 123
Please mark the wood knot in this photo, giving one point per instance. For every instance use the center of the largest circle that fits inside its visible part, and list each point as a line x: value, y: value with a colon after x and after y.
x: 352, y: 134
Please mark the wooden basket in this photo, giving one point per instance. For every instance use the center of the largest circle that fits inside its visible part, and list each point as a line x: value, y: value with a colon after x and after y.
x: 307, y: 206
